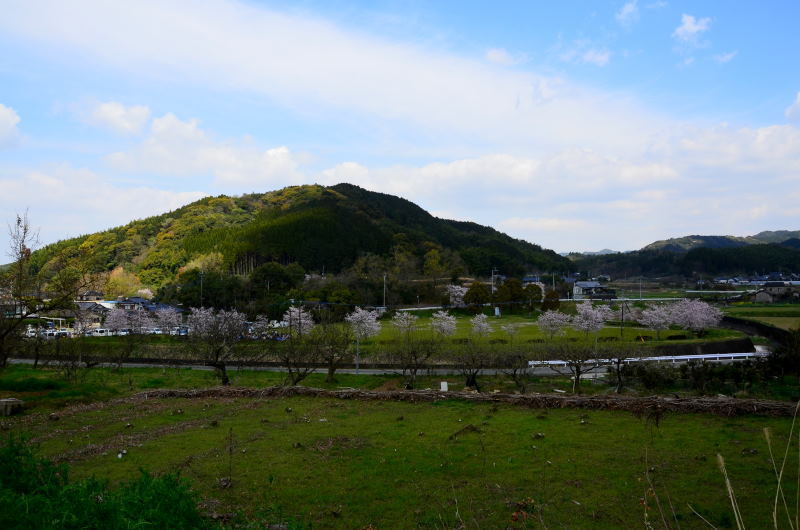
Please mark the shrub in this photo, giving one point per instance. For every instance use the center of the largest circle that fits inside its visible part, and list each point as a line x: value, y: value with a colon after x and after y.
x: 35, y: 493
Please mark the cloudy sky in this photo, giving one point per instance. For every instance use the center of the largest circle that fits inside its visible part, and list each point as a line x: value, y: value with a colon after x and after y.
x: 576, y: 125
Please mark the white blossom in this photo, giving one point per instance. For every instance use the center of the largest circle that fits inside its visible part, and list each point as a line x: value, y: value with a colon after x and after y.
x: 590, y: 319
x: 695, y: 315
x: 657, y: 318
x: 205, y: 324
x: 404, y: 321
x: 553, y: 322
x: 443, y: 323
x: 364, y: 323
x: 298, y: 321
x: 456, y: 295
x: 480, y: 325
x: 167, y: 319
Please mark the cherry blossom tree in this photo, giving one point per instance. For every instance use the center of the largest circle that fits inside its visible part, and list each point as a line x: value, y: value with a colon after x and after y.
x: 298, y: 321
x: 404, y: 322
x: 215, y: 335
x: 117, y: 320
x: 657, y: 317
x: 456, y: 294
x: 480, y: 325
x: 365, y: 324
x: 695, y: 315
x: 553, y: 322
x: 590, y: 319
x: 443, y: 323
x: 167, y: 319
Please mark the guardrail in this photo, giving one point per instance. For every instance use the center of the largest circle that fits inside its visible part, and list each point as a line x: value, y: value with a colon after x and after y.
x: 673, y: 359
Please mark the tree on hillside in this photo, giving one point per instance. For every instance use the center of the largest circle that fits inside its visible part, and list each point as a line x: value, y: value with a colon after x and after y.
x: 214, y: 336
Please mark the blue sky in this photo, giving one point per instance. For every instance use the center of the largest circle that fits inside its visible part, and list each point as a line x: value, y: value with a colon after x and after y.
x: 575, y: 125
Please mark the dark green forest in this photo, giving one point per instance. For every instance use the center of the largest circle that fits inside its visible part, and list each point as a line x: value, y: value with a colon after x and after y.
x: 743, y: 260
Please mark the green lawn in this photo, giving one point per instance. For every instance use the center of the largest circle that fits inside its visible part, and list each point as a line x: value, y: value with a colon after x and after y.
x: 785, y: 316
x: 342, y: 464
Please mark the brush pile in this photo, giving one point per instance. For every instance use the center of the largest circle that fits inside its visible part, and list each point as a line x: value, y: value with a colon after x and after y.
x: 641, y: 406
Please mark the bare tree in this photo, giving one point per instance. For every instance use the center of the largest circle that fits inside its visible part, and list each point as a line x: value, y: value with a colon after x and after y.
x: 26, y: 290
x: 579, y: 359
x: 514, y: 360
x: 332, y: 342
x: 617, y: 355
x: 412, y: 349
x: 299, y: 355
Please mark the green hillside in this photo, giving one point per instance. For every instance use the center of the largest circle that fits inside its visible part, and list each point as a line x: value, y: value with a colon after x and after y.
x: 687, y: 243
x: 320, y: 228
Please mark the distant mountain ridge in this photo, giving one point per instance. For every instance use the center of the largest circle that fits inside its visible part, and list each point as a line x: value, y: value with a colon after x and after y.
x: 687, y: 243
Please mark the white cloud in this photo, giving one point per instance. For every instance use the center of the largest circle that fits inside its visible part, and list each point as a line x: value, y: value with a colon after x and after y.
x: 628, y: 14
x: 501, y: 56
x: 723, y: 58
x: 793, y: 110
x: 8, y: 125
x: 181, y: 148
x: 318, y: 68
x: 117, y: 117
x: 67, y: 202
x: 691, y: 28
x: 582, y: 51
x: 596, y: 57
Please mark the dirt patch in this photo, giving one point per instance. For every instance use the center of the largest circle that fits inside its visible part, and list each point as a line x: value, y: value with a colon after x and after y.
x: 327, y: 445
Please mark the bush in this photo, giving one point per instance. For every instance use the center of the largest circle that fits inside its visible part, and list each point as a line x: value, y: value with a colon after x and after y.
x: 652, y: 376
x: 35, y: 493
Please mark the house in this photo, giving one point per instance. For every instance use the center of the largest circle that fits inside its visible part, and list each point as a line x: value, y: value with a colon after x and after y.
x: 592, y: 291
x: 90, y: 314
x: 530, y: 279
x: 776, y: 288
x: 90, y: 296
x: 763, y: 297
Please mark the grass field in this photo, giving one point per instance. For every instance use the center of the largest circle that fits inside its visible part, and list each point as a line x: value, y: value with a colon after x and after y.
x: 341, y: 464
x: 785, y: 316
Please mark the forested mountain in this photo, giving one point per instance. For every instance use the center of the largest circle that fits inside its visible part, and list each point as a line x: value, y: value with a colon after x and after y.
x: 323, y: 229
x: 742, y: 260
x: 687, y: 243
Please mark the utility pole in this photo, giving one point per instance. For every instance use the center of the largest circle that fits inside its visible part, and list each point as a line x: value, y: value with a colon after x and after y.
x: 384, y: 290
x: 202, y: 273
